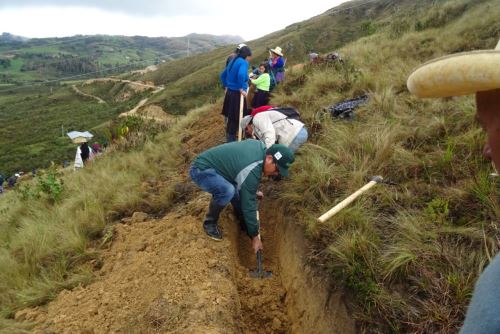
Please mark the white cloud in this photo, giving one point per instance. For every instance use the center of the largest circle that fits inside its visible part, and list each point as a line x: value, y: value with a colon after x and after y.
x: 250, y: 20
x: 130, y: 7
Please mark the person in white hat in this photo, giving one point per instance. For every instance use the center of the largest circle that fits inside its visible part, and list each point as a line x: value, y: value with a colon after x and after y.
x: 234, y: 53
x: 277, y: 63
x: 474, y: 72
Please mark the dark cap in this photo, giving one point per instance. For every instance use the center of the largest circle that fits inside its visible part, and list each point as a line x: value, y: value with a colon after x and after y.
x: 282, y: 156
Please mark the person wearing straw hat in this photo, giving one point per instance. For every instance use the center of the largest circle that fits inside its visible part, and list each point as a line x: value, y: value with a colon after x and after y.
x: 277, y: 63
x: 474, y: 72
x: 234, y: 79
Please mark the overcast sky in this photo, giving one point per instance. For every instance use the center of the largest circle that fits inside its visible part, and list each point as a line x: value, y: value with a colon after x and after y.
x: 170, y: 18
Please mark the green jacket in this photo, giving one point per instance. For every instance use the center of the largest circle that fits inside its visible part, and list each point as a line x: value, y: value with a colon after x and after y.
x: 240, y: 163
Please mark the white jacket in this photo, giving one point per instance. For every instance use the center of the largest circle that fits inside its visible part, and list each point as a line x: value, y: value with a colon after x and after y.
x: 78, y: 157
x: 271, y: 126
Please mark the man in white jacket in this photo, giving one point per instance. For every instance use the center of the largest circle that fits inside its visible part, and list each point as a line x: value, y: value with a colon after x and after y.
x: 272, y: 126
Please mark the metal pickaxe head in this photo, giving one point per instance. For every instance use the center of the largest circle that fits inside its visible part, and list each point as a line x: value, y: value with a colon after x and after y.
x: 380, y: 179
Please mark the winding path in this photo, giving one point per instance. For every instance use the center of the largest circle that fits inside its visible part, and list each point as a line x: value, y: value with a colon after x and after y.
x: 79, y: 92
x: 132, y: 111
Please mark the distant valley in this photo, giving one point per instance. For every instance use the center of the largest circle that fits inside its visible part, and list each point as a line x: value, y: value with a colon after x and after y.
x: 40, y: 59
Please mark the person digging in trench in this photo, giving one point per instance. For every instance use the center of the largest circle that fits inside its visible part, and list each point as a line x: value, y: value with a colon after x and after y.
x: 232, y: 173
x: 474, y: 72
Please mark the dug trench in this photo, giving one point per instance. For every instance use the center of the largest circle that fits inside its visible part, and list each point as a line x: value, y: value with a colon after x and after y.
x: 165, y: 276
x: 296, y: 298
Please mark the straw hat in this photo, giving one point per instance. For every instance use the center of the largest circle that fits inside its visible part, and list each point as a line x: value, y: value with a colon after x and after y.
x: 278, y: 51
x: 457, y: 74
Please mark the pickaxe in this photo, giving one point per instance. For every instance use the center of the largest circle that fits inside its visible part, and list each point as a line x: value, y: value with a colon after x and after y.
x: 373, y: 181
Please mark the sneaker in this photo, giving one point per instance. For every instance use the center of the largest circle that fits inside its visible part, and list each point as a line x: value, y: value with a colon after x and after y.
x: 212, y: 230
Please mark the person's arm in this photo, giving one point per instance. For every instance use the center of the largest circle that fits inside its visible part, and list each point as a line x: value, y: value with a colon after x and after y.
x: 248, y: 199
x: 223, y: 77
x: 265, y: 129
x: 259, y: 80
x: 280, y: 62
x: 243, y: 75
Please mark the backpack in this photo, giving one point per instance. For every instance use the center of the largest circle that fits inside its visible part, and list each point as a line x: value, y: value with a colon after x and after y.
x: 289, y: 112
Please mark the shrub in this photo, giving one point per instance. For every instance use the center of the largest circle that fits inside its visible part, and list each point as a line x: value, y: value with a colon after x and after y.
x: 49, y: 186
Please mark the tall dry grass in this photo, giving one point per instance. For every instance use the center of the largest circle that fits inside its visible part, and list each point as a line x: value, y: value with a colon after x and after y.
x: 409, y: 253
x: 45, y: 246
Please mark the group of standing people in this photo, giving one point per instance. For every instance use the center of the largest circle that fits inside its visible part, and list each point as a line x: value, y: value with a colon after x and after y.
x: 235, y: 79
x: 232, y: 172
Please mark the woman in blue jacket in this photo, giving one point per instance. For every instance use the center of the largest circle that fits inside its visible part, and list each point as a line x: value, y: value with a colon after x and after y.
x: 234, y: 79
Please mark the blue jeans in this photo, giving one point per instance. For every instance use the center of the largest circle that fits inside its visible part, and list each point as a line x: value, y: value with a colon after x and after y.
x: 299, y: 139
x: 482, y: 314
x: 222, y: 190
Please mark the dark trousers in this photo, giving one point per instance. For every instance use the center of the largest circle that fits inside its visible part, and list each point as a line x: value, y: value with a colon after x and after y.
x: 260, y: 98
x: 231, y: 110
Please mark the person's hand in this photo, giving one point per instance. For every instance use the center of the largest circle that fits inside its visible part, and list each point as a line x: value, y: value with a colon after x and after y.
x: 243, y: 92
x: 225, y: 90
x: 257, y: 243
x: 260, y: 194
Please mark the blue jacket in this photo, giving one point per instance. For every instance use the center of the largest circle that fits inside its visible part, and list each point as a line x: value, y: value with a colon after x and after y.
x: 235, y: 75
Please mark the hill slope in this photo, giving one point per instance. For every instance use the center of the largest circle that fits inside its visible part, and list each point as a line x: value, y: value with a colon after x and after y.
x: 44, y: 59
x: 192, y: 81
x: 403, y: 258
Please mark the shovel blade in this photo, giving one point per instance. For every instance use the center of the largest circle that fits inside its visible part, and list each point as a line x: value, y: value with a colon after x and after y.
x: 259, y: 272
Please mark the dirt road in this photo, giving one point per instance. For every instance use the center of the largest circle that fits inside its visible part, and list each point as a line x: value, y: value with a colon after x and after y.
x: 79, y: 92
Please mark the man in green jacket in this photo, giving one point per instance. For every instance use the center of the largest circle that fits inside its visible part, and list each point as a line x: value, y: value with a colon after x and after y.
x: 231, y: 173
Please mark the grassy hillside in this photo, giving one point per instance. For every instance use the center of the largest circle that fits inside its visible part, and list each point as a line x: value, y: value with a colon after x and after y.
x: 406, y: 255
x: 35, y: 122
x: 50, y: 58
x: 25, y: 144
x: 192, y: 81
x: 409, y: 254
x: 50, y: 234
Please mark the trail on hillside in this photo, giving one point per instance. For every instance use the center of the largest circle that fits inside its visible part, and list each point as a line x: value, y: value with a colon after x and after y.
x: 155, y: 113
x: 165, y: 276
x: 132, y: 83
x: 79, y: 92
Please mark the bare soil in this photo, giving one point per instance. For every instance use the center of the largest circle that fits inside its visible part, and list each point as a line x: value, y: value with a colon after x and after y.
x: 165, y: 276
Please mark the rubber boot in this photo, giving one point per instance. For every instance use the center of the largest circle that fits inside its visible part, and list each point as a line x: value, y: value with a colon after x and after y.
x: 210, y: 223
